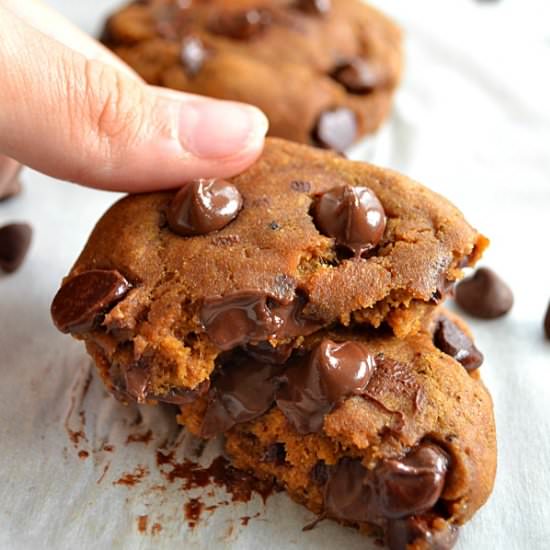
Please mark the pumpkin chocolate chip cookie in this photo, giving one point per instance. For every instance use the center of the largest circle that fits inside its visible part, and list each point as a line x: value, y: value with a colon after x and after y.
x: 323, y: 71
x: 304, y: 240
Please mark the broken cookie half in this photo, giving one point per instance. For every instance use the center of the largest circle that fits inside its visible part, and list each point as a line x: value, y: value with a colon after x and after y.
x: 394, y: 436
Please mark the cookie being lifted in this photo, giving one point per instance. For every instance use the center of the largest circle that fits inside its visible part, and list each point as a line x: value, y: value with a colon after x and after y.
x: 169, y: 283
x: 323, y: 71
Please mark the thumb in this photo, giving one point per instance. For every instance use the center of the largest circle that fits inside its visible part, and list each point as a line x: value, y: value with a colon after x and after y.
x: 83, y: 120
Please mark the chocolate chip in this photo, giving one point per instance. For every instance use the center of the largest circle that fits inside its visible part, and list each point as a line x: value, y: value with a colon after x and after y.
x: 484, y: 295
x: 450, y: 339
x: 547, y: 323
x: 193, y: 55
x: 335, y: 129
x: 421, y: 532
x: 352, y: 215
x: 241, y: 25
x: 242, y: 390
x: 359, y: 76
x: 300, y: 186
x: 253, y: 316
x: 274, y: 226
x: 275, y: 454
x: 15, y: 240
x: 312, y: 387
x: 203, y: 206
x: 395, y: 489
x: 82, y: 300
x: 318, y: 7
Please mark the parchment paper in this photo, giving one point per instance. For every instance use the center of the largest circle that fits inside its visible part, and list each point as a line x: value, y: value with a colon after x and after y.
x: 472, y: 121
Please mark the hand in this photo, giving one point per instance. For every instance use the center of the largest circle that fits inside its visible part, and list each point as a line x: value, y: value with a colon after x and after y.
x: 72, y: 110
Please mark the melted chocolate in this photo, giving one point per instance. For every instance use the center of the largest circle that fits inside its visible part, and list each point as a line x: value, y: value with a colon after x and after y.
x: 352, y: 215
x: 394, y: 489
x: 422, y: 531
x: 450, y: 339
x: 252, y: 316
x: 82, y: 301
x: 203, y: 206
x: 242, y: 391
x: 332, y: 372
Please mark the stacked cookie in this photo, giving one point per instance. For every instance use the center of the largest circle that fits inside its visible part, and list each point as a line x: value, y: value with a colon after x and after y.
x: 296, y: 309
x: 323, y: 71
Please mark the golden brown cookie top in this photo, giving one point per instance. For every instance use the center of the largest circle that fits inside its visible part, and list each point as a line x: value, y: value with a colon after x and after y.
x: 270, y: 273
x: 323, y: 71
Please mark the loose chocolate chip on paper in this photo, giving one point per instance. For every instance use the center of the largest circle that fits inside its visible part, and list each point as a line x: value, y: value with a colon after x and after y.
x: 15, y: 240
x: 450, y: 339
x: 484, y: 295
x: 335, y: 129
x: 83, y: 299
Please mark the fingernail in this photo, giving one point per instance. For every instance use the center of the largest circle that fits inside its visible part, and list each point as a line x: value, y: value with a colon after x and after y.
x: 214, y: 129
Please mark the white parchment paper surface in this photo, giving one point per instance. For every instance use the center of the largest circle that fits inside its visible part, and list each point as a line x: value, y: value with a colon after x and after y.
x: 472, y: 121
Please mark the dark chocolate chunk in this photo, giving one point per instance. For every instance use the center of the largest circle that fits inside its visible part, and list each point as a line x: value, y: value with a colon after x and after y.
x: 15, y: 240
x: 318, y: 7
x: 264, y: 352
x: 413, y: 484
x: 424, y: 531
x: 484, y: 295
x: 193, y: 55
x: 241, y: 25
x: 335, y: 129
x: 394, y: 489
x: 82, y: 300
x: 203, y: 206
x: 547, y: 323
x: 252, y: 317
x: 352, y: 215
x: 359, y: 76
x: 332, y: 372
x: 450, y: 339
x: 242, y: 390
